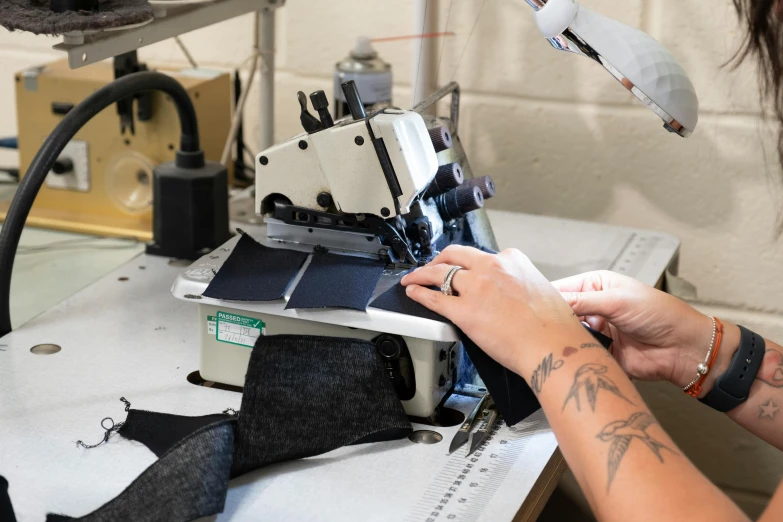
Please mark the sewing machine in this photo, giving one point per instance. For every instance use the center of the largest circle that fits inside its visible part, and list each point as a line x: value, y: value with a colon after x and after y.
x: 396, y: 185
x: 393, y: 185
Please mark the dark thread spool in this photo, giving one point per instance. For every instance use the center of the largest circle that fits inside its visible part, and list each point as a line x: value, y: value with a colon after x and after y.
x: 485, y: 184
x: 441, y: 138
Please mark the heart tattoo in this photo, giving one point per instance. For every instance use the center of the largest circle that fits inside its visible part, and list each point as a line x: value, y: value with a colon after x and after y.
x: 771, y: 371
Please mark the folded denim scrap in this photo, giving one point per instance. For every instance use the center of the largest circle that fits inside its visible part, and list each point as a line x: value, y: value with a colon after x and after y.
x: 36, y: 17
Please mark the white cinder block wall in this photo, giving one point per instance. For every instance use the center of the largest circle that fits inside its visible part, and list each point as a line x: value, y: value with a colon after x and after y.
x: 561, y: 138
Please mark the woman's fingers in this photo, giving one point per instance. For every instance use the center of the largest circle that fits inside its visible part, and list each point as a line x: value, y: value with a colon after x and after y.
x: 592, y: 304
x: 434, y: 275
x: 589, y: 281
x: 466, y: 257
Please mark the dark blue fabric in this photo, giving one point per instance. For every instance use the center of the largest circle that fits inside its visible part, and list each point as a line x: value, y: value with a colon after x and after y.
x: 254, y: 272
x: 396, y: 300
x: 337, y: 281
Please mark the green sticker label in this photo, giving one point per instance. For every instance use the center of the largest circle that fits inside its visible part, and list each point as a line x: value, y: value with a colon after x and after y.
x: 238, y: 329
x: 211, y: 326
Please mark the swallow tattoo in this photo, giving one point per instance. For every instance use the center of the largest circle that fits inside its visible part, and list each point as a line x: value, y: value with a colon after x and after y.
x: 621, y: 433
x: 592, y: 377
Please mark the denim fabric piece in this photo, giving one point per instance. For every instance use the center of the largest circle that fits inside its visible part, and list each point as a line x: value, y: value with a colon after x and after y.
x: 6, y: 509
x: 36, y: 17
x: 337, y: 281
x: 161, y: 431
x: 294, y: 385
x: 310, y: 395
x: 254, y: 272
x: 396, y: 300
x: 188, y: 482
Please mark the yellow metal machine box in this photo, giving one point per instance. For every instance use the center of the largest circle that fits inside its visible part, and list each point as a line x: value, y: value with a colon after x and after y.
x: 102, y: 183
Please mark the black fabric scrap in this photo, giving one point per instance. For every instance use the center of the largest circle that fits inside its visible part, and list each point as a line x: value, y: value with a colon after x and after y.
x: 188, y: 482
x: 35, y: 16
x: 396, y: 300
x: 332, y: 280
x: 295, y: 384
x: 254, y: 272
x: 6, y: 509
x: 161, y: 431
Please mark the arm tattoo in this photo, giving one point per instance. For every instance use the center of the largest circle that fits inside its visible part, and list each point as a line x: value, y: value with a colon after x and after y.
x: 769, y: 409
x: 547, y: 366
x: 592, y: 377
x: 771, y: 371
x: 620, y: 433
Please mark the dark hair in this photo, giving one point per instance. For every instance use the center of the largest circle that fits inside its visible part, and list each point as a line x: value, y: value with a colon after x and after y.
x: 764, y: 40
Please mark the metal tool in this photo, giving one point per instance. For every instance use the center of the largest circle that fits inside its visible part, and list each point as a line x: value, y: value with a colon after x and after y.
x: 488, y: 418
x: 463, y: 435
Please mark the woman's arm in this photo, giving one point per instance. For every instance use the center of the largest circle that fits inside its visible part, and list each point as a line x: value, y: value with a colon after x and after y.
x: 659, y: 337
x: 762, y: 413
x: 624, y: 461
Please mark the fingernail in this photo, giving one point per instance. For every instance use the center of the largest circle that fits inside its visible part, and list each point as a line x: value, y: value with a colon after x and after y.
x: 409, y: 290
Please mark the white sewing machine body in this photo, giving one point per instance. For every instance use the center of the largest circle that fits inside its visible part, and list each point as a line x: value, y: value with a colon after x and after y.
x: 430, y: 350
x: 378, y: 173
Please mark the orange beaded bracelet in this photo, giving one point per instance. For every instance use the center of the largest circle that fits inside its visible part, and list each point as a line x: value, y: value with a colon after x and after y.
x: 693, y: 388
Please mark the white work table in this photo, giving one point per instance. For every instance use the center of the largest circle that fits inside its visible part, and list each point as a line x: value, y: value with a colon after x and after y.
x: 124, y: 335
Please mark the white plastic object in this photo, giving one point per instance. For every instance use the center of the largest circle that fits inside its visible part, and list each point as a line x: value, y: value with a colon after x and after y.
x: 555, y: 17
x: 642, y: 60
x: 410, y: 150
x: 129, y: 182
x: 363, y: 48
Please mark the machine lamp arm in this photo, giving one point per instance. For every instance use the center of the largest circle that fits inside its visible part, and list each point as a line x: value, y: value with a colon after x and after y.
x: 189, y: 155
x: 640, y: 63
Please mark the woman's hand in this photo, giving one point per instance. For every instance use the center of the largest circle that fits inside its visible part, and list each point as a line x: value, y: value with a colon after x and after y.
x: 505, y: 305
x: 656, y: 336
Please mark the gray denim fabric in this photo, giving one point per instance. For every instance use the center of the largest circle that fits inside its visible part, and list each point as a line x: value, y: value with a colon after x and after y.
x: 303, y: 396
x: 36, y: 17
x: 188, y: 482
x: 309, y: 395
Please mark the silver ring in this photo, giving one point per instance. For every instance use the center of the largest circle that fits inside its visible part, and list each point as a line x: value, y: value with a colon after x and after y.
x: 446, y: 286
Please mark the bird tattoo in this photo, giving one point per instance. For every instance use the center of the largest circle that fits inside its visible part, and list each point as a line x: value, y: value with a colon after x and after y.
x: 592, y: 377
x: 621, y: 433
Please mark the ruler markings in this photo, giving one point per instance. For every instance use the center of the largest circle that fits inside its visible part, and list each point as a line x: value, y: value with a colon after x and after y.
x: 464, y: 486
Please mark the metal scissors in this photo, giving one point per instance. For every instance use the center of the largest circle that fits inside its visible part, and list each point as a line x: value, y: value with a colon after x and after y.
x: 486, y: 415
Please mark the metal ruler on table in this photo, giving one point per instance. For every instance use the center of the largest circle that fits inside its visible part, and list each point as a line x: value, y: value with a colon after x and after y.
x: 464, y: 486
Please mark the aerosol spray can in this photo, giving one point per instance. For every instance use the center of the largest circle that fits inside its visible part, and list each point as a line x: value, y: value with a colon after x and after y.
x: 372, y: 75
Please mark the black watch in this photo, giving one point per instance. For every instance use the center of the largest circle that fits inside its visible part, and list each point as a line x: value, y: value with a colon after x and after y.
x: 733, y: 387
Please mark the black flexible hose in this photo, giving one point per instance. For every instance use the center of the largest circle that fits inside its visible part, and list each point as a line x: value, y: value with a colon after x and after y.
x: 53, y: 146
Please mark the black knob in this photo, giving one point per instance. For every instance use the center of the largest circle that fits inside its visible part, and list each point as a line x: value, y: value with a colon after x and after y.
x: 321, y: 104
x: 485, y: 184
x: 353, y: 100
x: 449, y: 176
x: 389, y: 348
x: 458, y: 202
x: 324, y: 199
x: 63, y: 166
x: 441, y: 138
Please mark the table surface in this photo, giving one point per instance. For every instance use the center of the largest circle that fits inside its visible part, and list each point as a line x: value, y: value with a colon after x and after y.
x: 124, y: 335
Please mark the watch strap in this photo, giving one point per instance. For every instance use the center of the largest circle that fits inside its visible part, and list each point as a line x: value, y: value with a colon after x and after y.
x: 733, y: 387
